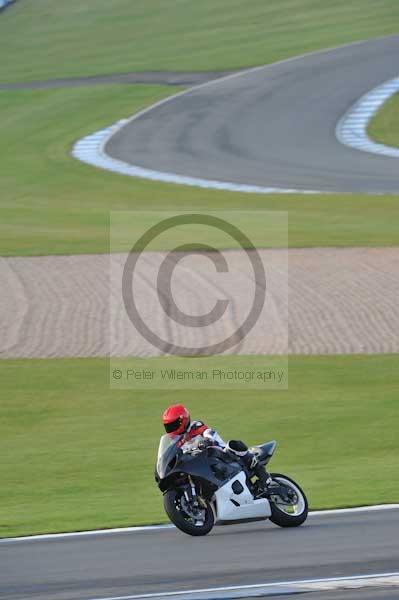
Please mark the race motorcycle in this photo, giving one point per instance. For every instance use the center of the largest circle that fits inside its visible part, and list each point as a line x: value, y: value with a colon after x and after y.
x: 204, y: 485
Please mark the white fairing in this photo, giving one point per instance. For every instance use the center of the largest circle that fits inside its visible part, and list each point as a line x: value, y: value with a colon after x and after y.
x: 244, y: 505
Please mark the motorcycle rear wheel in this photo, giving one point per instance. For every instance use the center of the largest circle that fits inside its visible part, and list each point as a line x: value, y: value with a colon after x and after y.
x: 171, y: 502
x: 280, y: 515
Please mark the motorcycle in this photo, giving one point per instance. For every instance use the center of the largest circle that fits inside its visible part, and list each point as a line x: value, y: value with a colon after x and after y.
x: 204, y: 485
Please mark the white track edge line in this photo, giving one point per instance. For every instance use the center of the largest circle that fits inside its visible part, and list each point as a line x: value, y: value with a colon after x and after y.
x: 91, y: 148
x: 351, y: 129
x: 297, y: 586
x: 145, y: 528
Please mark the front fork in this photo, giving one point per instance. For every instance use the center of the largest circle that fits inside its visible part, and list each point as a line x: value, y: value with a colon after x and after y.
x: 192, y: 496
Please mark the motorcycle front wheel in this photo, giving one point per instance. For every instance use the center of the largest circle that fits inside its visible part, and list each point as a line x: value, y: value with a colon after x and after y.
x: 180, y: 513
x: 288, y: 514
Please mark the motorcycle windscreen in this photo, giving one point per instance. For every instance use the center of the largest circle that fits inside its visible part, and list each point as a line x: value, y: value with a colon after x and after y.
x: 167, y: 447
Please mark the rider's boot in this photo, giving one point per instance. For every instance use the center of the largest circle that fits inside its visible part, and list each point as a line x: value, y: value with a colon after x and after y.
x: 250, y: 461
x: 260, y: 472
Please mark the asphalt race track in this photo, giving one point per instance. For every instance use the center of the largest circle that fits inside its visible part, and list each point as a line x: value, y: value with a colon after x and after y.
x: 122, y: 564
x: 272, y: 126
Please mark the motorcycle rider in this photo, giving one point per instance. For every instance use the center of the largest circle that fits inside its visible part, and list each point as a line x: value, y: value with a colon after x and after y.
x: 177, y: 421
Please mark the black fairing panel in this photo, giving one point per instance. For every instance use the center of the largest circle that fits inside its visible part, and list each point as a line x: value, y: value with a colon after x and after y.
x: 212, y: 466
x: 264, y: 452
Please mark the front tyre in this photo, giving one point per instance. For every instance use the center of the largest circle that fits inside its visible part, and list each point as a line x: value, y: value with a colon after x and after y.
x: 292, y: 510
x: 181, y: 514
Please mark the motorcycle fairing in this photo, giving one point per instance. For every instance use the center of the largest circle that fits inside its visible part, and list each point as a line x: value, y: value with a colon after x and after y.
x: 213, y: 466
x: 234, y: 501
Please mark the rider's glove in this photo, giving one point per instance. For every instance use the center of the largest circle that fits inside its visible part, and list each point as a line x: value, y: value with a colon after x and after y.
x: 204, y: 443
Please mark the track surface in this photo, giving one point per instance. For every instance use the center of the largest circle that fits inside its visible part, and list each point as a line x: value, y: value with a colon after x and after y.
x: 273, y: 126
x: 364, y: 594
x: 341, y: 301
x: 167, y: 560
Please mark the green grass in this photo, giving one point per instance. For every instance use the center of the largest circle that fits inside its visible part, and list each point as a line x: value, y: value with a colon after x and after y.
x: 384, y: 126
x: 53, y: 204
x: 44, y: 39
x: 76, y: 455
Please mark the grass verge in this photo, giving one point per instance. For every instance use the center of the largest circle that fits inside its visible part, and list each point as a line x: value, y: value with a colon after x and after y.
x: 47, y: 39
x: 77, y: 455
x: 53, y: 204
x: 384, y: 126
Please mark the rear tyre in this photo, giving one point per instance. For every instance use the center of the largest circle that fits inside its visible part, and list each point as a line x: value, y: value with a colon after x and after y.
x: 182, y: 519
x: 289, y: 515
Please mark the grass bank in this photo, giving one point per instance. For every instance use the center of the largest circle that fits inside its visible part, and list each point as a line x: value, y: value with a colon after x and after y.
x: 47, y: 39
x: 78, y: 455
x: 53, y: 204
x: 384, y: 126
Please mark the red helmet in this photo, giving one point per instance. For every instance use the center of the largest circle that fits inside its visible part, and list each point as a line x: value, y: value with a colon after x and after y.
x: 176, y: 419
